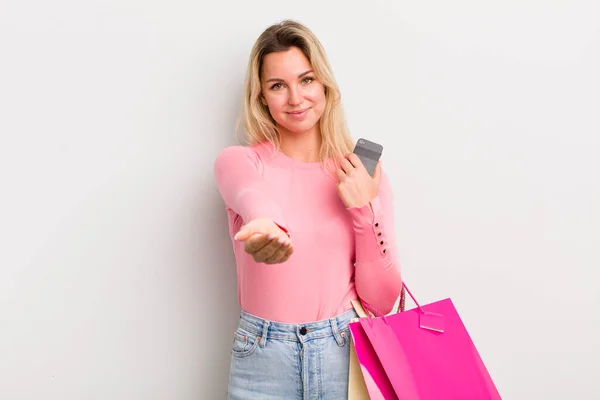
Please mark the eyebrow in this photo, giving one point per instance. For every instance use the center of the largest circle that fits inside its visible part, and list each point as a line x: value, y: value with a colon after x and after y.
x: 281, y: 80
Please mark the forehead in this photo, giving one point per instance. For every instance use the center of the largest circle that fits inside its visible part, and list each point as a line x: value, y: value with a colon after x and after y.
x: 285, y: 64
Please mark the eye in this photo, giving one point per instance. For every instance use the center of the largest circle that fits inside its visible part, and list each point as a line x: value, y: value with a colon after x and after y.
x: 307, y: 80
x: 276, y: 86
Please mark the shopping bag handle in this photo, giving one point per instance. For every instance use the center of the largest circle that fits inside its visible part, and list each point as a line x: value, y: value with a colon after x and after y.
x: 427, y: 320
x: 401, y: 304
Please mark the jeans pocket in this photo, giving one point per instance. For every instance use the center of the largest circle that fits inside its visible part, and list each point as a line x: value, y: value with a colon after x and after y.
x: 244, y: 343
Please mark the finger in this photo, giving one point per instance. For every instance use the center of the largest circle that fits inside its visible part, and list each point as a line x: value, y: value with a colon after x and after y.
x: 354, y: 160
x: 283, y: 259
x: 346, y: 165
x: 244, y: 233
x: 257, y: 242
x: 278, y: 255
x: 241, y: 234
x: 377, y: 173
x: 341, y: 175
x: 289, y: 253
x: 269, y: 250
x: 268, y: 240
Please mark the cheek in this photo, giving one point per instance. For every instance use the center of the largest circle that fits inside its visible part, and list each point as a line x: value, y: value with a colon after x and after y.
x: 318, y: 99
x: 275, y: 103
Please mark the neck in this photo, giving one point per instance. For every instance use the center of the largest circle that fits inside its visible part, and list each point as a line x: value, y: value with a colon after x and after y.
x: 301, y: 146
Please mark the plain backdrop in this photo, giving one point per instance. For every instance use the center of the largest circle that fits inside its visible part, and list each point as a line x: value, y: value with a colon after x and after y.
x: 117, y: 280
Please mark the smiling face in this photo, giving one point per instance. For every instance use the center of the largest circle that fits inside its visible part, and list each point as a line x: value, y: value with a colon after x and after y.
x: 295, y: 98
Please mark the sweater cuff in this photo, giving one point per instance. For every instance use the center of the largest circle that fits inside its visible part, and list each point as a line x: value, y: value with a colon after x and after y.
x: 369, y: 227
x: 259, y: 207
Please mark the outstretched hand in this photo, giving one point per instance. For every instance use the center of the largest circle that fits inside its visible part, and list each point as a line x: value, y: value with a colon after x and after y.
x: 265, y: 241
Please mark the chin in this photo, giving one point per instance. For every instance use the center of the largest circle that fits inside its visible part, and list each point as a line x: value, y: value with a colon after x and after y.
x: 299, y: 128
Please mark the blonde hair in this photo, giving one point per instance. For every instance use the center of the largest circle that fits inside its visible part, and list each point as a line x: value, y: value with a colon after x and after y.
x: 258, y: 124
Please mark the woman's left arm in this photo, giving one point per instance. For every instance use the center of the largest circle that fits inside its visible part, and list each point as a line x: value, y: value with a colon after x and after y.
x: 377, y: 275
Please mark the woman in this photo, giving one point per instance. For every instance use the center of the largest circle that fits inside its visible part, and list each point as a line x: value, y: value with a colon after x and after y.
x: 311, y: 229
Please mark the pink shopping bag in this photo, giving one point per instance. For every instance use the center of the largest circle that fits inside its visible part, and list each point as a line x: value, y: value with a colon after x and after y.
x: 421, y: 354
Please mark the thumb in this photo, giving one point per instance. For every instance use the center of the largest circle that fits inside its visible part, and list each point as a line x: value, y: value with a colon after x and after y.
x: 244, y: 233
x: 377, y: 173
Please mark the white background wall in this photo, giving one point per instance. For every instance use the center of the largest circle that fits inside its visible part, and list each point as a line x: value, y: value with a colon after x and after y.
x: 116, y: 274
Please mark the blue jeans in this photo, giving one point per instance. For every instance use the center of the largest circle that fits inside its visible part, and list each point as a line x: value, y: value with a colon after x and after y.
x: 272, y: 360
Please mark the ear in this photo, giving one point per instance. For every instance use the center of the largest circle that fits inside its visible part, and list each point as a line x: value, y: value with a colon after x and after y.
x: 262, y: 100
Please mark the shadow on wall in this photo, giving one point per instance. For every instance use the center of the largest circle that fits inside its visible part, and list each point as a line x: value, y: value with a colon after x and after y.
x: 217, y: 298
x: 212, y: 279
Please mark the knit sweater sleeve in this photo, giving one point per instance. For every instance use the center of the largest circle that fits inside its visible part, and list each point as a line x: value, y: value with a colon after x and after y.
x: 238, y: 173
x: 377, y: 270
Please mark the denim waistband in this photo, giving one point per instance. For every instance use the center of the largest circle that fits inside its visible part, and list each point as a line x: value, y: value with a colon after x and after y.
x: 296, y: 332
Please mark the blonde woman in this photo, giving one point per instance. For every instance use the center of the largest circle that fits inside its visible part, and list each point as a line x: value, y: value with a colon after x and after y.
x: 311, y: 229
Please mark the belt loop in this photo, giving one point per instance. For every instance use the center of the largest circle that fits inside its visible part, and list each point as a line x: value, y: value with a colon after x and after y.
x: 263, y: 337
x: 336, y: 333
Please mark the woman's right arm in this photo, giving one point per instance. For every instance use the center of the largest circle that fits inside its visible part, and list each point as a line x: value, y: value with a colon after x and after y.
x: 237, y: 170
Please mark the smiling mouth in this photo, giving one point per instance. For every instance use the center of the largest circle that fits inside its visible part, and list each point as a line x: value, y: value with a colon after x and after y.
x: 299, y: 112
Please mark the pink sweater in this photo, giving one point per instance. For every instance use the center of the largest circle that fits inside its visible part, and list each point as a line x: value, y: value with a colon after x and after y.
x: 339, y: 253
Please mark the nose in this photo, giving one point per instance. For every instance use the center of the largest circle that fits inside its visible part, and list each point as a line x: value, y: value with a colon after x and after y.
x: 294, y: 96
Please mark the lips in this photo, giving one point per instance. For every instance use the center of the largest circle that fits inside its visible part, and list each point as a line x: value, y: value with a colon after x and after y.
x: 298, y: 114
